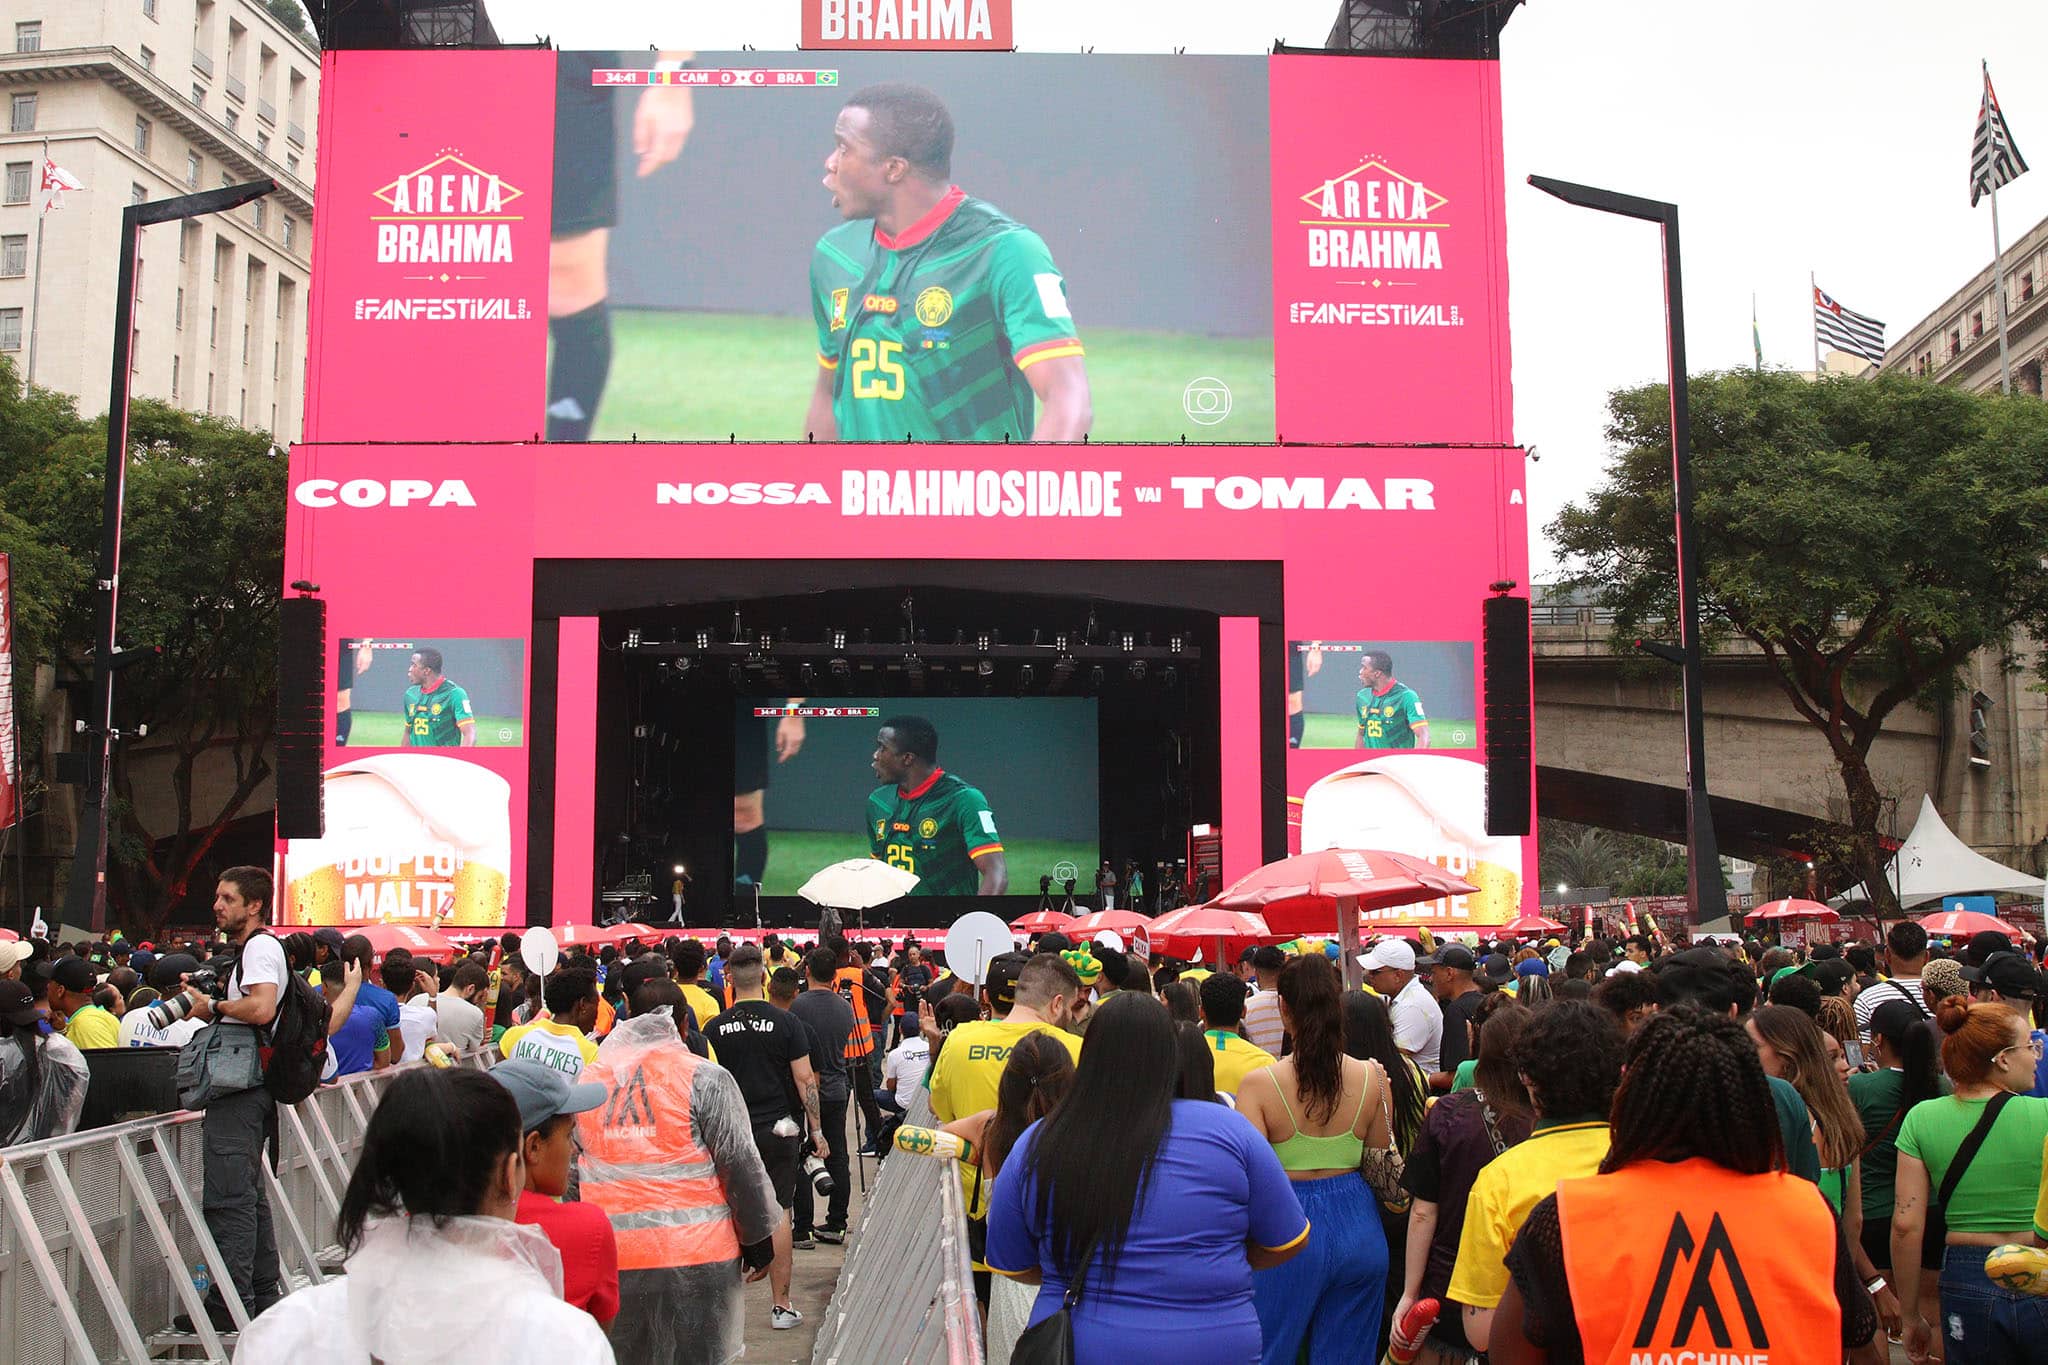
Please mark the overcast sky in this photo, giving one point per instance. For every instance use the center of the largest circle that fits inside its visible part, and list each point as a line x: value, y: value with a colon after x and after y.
x: 1811, y: 136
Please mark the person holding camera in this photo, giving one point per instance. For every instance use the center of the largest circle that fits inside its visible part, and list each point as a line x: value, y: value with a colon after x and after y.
x: 831, y: 1021
x: 236, y: 1125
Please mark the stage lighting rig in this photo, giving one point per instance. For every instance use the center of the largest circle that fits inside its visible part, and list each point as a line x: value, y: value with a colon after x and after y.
x: 633, y: 638
x: 703, y: 639
x: 1138, y: 670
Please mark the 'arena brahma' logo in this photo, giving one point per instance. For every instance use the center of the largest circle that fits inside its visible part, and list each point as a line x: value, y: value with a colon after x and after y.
x: 447, y: 212
x: 1374, y: 218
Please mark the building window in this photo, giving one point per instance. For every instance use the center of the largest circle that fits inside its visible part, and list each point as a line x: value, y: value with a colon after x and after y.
x: 212, y: 328
x: 2026, y: 286
x: 136, y: 194
x: 14, y: 255
x: 149, y: 9
x: 245, y: 343
x: 148, y: 60
x: 1955, y: 342
x: 142, y: 135
x: 263, y: 143
x: 209, y: 393
x: 135, y: 351
x: 234, y: 121
x: 276, y: 358
x: 198, y: 94
x: 19, y: 178
x: 178, y: 310
x: 22, y: 113
x: 28, y: 37
x: 194, y: 165
x: 10, y: 329
x: 259, y: 211
x: 1976, y: 324
x: 176, y: 374
x: 291, y: 231
x: 242, y: 409
x: 291, y: 163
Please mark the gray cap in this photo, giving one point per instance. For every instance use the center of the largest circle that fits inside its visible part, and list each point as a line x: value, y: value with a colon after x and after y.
x: 543, y: 1093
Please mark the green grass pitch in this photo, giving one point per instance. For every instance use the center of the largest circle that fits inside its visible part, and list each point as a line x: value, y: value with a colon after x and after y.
x: 704, y: 376
x: 386, y: 729
x: 795, y: 854
x: 1327, y: 731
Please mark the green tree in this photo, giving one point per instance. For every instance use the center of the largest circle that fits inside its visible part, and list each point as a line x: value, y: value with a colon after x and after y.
x: 201, y: 574
x: 292, y: 15
x: 1868, y: 536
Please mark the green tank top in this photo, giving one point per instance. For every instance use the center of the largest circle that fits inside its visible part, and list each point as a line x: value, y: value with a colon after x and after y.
x: 1334, y: 1152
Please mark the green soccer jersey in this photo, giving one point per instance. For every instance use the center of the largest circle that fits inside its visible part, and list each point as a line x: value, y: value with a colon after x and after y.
x: 929, y: 333
x: 434, y: 720
x: 1388, y: 720
x: 935, y: 831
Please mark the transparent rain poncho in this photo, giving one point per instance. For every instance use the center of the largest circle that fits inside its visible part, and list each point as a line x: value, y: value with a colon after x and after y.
x: 413, y: 1294
x: 47, y: 1104
x: 684, y: 1314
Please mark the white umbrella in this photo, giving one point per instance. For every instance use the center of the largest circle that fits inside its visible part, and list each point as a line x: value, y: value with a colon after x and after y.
x: 857, y: 884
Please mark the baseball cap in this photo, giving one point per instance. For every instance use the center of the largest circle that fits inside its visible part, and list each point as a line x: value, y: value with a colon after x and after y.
x: 1456, y: 956
x: 1496, y: 970
x: 1983, y: 944
x: 17, y: 1006
x: 1803, y: 969
x: 1390, y: 952
x: 1534, y: 966
x: 1003, y: 971
x: 1833, y: 973
x: 330, y: 936
x: 12, y: 955
x: 166, y: 970
x: 2007, y: 973
x: 74, y: 974
x: 542, y: 1093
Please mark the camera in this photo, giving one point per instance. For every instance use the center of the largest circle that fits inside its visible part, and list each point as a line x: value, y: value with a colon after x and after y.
x: 177, y: 1005
x: 820, y: 1178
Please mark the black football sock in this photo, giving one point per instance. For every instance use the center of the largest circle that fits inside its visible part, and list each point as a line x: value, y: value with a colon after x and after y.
x: 342, y: 721
x: 1297, y: 726
x: 583, y: 360
x: 750, y: 855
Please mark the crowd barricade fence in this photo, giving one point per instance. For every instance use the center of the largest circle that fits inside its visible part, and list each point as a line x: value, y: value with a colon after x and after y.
x: 906, y: 1290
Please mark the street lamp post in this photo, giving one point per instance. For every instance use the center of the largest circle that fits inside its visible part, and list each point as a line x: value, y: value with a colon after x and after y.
x: 85, y: 895
x: 1703, y: 857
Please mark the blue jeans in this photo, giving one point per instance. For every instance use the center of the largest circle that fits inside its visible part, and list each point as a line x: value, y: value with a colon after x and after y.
x: 1982, y: 1324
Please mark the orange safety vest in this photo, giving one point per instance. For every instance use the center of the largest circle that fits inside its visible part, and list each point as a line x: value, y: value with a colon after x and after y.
x: 1715, y: 1266
x: 646, y: 1166
x: 861, y: 1041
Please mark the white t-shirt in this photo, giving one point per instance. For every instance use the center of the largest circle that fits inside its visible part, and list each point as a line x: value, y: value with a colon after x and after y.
x: 1262, y: 1021
x: 138, y: 1031
x: 462, y: 1024
x: 417, y: 1024
x: 906, y: 1064
x: 1418, y: 1023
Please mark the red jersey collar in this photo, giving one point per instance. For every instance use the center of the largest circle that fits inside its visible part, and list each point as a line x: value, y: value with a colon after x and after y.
x: 925, y: 226
x: 1392, y: 683
x: 921, y: 788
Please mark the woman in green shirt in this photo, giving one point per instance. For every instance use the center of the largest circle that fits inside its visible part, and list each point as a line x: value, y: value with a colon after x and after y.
x: 1989, y: 1053
x: 1907, y: 1050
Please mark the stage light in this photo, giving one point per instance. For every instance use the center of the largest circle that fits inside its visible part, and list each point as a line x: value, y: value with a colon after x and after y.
x: 1137, y: 670
x: 1176, y: 643
x: 1059, y: 642
x: 764, y: 642
x: 1130, y: 641
x: 633, y: 639
x: 703, y: 639
x: 677, y: 869
x: 985, y: 667
x: 981, y: 642
x: 682, y: 668
x: 838, y: 641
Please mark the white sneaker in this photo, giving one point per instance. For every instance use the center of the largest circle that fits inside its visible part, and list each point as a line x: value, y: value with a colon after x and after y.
x: 782, y: 1319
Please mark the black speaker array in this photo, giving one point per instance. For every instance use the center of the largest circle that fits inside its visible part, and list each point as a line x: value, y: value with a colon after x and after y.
x: 301, y: 717
x: 1505, y: 651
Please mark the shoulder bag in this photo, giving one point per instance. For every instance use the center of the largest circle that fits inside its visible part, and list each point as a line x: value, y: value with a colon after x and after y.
x: 1382, y: 1167
x: 1051, y: 1342
x: 1935, y: 1234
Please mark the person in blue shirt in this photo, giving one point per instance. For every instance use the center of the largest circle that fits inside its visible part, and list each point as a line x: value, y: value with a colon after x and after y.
x: 1151, y: 1212
x: 356, y: 1039
x: 2011, y: 979
x: 356, y: 951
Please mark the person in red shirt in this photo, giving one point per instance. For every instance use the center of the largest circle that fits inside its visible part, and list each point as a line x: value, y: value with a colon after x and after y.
x: 548, y: 1104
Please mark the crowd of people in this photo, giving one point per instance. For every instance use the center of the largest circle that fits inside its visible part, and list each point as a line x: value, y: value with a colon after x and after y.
x: 1613, y: 1147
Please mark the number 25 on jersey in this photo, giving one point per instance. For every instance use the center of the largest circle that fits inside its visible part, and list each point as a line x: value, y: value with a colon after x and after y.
x: 901, y: 855
x: 877, y: 368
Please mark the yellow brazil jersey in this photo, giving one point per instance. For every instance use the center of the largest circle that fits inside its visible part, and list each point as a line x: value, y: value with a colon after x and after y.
x: 1506, y: 1189
x: 964, y: 1080
x: 1235, y: 1059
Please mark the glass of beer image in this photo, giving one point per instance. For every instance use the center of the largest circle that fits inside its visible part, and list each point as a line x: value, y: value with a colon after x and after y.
x: 411, y: 839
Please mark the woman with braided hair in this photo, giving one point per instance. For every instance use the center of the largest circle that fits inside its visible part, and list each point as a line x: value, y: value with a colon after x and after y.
x: 1693, y: 1242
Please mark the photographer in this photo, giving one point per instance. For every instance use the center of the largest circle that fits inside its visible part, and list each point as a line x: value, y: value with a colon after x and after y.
x: 236, y: 1125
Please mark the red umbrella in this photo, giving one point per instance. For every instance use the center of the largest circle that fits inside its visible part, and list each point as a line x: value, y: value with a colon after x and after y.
x: 1303, y: 894
x: 415, y: 939
x: 1963, y: 923
x: 1208, y: 926
x: 1531, y: 924
x: 1122, y: 921
x: 1042, y: 921
x: 1795, y: 909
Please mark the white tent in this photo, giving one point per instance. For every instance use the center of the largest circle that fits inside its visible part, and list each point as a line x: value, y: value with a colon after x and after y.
x: 1933, y: 863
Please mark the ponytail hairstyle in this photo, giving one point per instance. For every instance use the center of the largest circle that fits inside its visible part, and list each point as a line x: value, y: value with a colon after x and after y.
x: 1315, y: 1008
x: 433, y: 1149
x: 1034, y: 1081
x: 1916, y: 1042
x: 1794, y: 1035
x: 1976, y: 1034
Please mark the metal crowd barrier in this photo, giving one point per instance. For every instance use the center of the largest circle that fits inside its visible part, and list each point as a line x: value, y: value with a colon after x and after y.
x: 102, y: 1238
x: 906, y: 1290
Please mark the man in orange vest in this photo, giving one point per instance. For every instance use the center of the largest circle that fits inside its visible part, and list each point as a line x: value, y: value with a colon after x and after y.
x: 670, y: 1158
x: 851, y: 983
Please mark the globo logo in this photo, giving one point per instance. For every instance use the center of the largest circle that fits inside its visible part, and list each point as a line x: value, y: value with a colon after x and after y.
x: 379, y: 493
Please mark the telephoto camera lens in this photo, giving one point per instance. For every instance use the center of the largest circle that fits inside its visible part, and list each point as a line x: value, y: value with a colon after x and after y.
x: 821, y: 1179
x: 170, y: 1010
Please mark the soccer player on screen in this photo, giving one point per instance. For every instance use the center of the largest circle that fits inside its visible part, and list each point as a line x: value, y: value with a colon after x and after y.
x: 1389, y: 713
x: 437, y: 712
x: 927, y: 821
x: 938, y: 317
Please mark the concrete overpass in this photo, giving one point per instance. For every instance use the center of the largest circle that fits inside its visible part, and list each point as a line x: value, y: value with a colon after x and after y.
x: 1610, y: 749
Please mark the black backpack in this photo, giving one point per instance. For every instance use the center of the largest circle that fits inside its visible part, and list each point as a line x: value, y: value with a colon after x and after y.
x: 294, y: 1047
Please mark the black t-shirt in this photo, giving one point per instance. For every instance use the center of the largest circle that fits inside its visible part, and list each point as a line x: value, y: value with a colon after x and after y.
x: 1455, y: 1143
x: 756, y: 1042
x: 830, y: 1019
x: 876, y: 986
x: 910, y: 983
x: 1536, y: 1261
x: 1458, y: 1012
